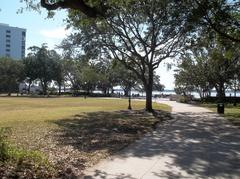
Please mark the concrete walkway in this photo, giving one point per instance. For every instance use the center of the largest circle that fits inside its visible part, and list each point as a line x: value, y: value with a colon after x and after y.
x: 195, y: 144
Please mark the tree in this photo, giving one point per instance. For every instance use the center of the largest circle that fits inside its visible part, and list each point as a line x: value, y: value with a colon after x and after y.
x: 45, y: 63
x: 11, y: 74
x: 89, y: 79
x: 222, y: 16
x: 212, y: 63
x: 30, y: 70
x: 58, y: 72
x: 223, y: 68
x: 106, y: 76
x: 102, y: 65
x: 123, y: 77
x: 192, y: 74
x: 140, y: 36
x: 157, y: 86
x: 72, y: 73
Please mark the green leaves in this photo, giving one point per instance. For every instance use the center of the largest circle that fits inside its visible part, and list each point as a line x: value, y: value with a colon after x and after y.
x: 43, y: 64
x: 11, y: 74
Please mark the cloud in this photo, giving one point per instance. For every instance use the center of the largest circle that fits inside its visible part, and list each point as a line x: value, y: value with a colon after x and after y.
x: 58, y: 33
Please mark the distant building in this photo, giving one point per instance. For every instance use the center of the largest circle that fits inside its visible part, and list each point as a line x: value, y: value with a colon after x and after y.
x: 12, y: 41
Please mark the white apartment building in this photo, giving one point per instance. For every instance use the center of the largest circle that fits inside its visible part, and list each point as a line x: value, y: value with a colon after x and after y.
x: 12, y: 41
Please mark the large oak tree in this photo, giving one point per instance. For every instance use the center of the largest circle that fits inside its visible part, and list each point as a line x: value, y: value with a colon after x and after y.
x: 140, y: 36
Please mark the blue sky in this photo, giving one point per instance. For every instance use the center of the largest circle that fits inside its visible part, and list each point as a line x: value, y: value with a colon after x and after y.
x: 51, y: 31
x: 39, y: 28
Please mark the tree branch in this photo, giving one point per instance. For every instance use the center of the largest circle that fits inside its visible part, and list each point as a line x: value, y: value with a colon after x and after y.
x: 223, y: 34
x: 73, y: 4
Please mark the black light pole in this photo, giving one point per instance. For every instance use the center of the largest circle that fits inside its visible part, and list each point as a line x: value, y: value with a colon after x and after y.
x: 85, y: 92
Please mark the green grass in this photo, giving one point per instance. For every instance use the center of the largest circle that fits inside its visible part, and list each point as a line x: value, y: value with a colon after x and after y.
x: 76, y: 131
x: 20, y: 109
x: 232, y: 113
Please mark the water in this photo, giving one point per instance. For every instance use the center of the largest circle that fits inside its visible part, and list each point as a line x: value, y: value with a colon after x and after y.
x: 196, y: 95
x: 172, y: 92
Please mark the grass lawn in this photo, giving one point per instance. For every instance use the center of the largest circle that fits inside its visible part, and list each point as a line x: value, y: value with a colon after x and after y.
x: 231, y: 112
x: 76, y: 132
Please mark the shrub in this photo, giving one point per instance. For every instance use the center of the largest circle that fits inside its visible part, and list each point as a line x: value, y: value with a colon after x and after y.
x: 228, y: 99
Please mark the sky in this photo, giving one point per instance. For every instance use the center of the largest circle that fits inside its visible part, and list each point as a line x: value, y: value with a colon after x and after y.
x: 52, y: 31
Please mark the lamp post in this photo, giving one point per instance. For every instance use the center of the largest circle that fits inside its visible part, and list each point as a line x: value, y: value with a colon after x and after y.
x: 85, y: 95
x: 235, y: 90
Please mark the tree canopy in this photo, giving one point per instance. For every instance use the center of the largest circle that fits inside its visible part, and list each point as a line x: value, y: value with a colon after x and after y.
x: 42, y: 64
x: 11, y: 74
x: 220, y: 15
x: 143, y: 33
x: 140, y: 36
x: 213, y: 63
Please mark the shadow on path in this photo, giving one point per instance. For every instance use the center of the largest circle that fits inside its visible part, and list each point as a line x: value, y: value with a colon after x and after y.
x: 103, y: 175
x: 191, y: 145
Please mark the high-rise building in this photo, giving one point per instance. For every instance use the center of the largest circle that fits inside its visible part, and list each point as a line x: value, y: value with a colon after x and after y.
x: 12, y: 41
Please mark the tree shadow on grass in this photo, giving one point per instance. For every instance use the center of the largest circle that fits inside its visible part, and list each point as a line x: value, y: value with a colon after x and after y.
x: 89, y: 137
x: 232, y: 113
x: 234, y: 117
x: 109, y: 131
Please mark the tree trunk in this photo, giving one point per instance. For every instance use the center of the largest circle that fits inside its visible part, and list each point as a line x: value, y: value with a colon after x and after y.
x: 104, y: 91
x: 59, y: 89
x: 126, y: 91
x: 221, y: 92
x: 29, y: 86
x: 200, y: 93
x: 148, y: 88
x: 149, y: 99
x: 64, y: 87
x: 88, y: 90
x: 209, y: 93
x: 44, y: 87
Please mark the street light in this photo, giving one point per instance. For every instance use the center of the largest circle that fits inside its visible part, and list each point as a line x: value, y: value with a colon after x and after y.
x: 85, y: 95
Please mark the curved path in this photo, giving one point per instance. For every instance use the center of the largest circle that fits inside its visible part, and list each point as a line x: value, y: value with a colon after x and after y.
x: 196, y: 143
